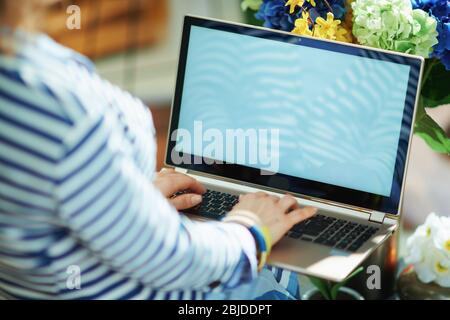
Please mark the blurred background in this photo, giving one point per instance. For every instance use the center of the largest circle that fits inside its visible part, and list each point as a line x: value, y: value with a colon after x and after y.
x: 134, y: 44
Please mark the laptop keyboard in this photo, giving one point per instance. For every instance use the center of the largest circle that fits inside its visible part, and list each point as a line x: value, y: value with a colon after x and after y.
x: 215, y: 204
x: 333, y: 232
x: 320, y: 229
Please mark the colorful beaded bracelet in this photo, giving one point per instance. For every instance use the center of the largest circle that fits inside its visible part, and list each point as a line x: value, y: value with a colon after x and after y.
x: 260, y: 234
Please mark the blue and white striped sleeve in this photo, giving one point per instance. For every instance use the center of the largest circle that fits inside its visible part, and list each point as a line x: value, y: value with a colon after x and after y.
x: 115, y: 211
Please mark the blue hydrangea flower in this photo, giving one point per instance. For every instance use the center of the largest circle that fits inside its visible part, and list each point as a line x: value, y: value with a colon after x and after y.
x: 440, y: 10
x: 276, y: 15
x: 337, y: 8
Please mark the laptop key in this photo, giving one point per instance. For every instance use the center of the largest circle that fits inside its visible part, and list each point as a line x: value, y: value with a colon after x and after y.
x: 340, y: 223
x: 312, y: 231
x: 215, y: 204
x: 299, y: 227
x: 302, y: 225
x: 334, y: 240
x: 320, y: 240
x: 354, y: 246
x: 324, y: 241
x: 294, y: 234
x: 326, y: 235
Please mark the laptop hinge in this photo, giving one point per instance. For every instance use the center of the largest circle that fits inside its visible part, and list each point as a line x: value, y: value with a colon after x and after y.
x: 376, y: 216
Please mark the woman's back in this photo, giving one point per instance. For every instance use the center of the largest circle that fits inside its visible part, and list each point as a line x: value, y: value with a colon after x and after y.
x: 81, y: 216
x: 44, y: 121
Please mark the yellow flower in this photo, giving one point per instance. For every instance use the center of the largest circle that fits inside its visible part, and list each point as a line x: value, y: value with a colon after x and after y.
x: 343, y: 35
x: 302, y: 25
x: 294, y: 3
x: 331, y: 29
x: 326, y: 28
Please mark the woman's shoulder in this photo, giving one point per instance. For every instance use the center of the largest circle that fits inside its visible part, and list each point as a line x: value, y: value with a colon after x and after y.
x: 63, y: 54
x: 54, y: 80
x: 37, y: 58
x: 35, y: 64
x: 38, y: 48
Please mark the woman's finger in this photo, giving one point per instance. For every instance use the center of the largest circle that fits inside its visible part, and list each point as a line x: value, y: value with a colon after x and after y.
x: 288, y: 202
x: 167, y: 170
x: 253, y: 195
x: 273, y: 198
x: 186, y: 201
x: 259, y: 194
x: 181, y: 182
x: 299, y: 215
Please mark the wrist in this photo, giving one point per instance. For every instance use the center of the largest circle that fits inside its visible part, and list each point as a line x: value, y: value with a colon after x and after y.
x: 261, y: 234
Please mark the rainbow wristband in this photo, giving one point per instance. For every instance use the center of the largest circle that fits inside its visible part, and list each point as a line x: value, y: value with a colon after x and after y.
x: 260, y: 234
x: 262, y: 244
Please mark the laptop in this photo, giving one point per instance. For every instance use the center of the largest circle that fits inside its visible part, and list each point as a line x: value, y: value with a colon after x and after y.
x: 327, y: 122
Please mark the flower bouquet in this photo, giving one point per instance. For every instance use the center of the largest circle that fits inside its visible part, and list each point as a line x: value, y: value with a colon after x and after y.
x: 427, y: 275
x: 419, y: 27
x: 429, y: 251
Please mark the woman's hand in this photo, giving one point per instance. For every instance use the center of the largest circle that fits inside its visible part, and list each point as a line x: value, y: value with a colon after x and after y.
x: 279, y: 215
x: 170, y: 182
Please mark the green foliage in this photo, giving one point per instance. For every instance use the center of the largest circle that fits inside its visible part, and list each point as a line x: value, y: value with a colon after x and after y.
x: 431, y: 132
x: 323, y: 286
x: 337, y: 286
x: 251, y: 4
x: 435, y: 92
x: 249, y: 7
x: 329, y: 290
x: 436, y: 87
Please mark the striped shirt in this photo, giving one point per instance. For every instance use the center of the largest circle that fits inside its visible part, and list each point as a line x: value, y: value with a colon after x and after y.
x: 77, y: 159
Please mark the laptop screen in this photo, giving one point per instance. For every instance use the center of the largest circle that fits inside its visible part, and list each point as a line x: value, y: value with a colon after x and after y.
x: 296, y: 112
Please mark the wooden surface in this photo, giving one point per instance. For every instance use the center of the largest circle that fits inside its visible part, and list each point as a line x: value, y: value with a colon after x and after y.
x: 110, y: 26
x: 161, y: 118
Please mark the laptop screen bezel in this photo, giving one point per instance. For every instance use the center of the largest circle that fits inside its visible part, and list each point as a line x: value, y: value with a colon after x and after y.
x: 295, y: 185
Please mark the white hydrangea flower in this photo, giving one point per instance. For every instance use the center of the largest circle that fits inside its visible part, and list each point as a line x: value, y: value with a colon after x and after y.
x: 429, y: 250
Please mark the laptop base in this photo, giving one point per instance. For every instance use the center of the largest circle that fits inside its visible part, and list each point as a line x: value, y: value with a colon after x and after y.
x: 308, y: 257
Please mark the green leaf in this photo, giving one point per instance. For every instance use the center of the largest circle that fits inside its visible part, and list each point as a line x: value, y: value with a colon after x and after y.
x: 322, y: 286
x: 251, y: 4
x: 436, y: 86
x: 251, y: 19
x: 434, y: 136
x: 337, y: 286
x: 431, y: 132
